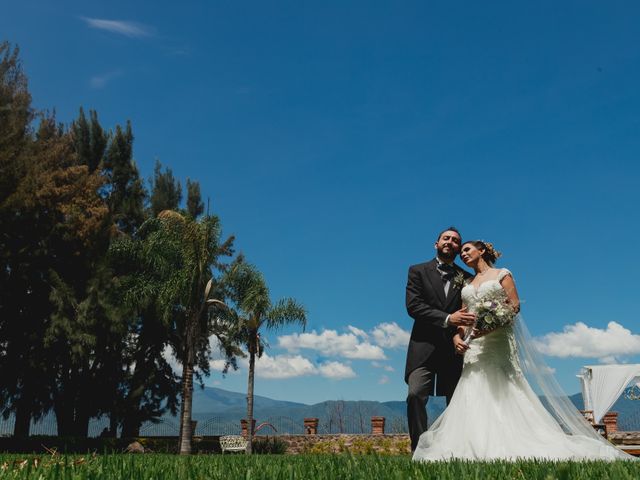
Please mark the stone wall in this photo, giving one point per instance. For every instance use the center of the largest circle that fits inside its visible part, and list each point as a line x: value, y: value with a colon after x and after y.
x: 625, y: 438
x: 627, y: 441
x: 357, y: 443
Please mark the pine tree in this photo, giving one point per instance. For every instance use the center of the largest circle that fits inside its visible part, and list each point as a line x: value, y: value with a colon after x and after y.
x: 166, y: 191
x: 80, y: 318
x: 16, y: 116
x: 24, y: 302
x: 90, y: 140
x: 124, y: 189
x: 195, y: 206
x: 59, y: 224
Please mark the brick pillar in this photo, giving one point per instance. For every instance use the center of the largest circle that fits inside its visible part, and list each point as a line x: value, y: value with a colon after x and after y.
x: 311, y: 426
x: 377, y: 425
x: 244, y: 424
x: 610, y: 421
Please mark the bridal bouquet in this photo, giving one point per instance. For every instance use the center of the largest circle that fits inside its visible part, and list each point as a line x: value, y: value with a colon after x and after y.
x: 492, y: 312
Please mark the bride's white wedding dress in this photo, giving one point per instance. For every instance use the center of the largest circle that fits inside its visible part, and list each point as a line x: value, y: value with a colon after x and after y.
x: 495, y: 414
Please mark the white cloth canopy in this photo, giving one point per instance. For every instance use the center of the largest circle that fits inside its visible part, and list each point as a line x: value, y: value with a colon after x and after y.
x: 602, y: 385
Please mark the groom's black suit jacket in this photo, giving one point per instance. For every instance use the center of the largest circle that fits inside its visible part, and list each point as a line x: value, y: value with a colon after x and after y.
x: 431, y: 343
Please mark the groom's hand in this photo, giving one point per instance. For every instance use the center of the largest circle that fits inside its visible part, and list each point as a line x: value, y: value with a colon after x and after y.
x: 462, y: 318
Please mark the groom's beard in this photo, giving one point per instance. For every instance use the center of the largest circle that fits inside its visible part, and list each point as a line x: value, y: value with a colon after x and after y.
x: 447, y: 257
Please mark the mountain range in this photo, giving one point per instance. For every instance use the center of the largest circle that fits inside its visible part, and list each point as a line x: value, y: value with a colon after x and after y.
x: 219, y: 412
x: 216, y: 402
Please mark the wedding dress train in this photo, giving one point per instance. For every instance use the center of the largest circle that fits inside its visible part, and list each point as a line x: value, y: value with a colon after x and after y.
x: 495, y: 414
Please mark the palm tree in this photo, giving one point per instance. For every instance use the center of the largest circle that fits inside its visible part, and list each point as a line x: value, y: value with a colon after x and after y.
x: 179, y: 258
x: 253, y: 311
x: 197, y: 289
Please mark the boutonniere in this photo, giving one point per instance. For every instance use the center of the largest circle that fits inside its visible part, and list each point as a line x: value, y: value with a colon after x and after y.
x: 459, y: 281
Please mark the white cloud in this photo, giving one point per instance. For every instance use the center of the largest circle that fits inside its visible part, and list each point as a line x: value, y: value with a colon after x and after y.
x: 284, y: 366
x: 218, y: 360
x: 386, y: 368
x: 218, y: 365
x: 101, y: 80
x: 391, y: 335
x: 121, y: 27
x: 336, y: 370
x: 358, y: 332
x: 580, y: 340
x: 609, y: 360
x: 383, y: 379
x: 290, y: 366
x: 330, y: 342
x: 168, y: 355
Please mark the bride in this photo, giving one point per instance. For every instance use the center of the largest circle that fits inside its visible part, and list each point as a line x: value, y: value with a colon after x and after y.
x: 494, y: 412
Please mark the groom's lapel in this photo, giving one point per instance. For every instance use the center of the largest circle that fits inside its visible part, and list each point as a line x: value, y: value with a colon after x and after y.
x: 436, y: 281
x: 454, y: 290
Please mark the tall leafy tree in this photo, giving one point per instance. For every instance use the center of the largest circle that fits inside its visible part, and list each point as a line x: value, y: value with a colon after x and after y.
x: 198, y: 288
x: 123, y: 188
x: 195, y: 206
x: 90, y: 140
x: 107, y: 323
x: 67, y: 340
x: 178, y: 273
x: 15, y: 123
x: 16, y: 116
x: 48, y: 206
x: 145, y: 264
x: 79, y: 325
x: 253, y: 311
x: 124, y: 194
x: 166, y: 191
x: 61, y: 225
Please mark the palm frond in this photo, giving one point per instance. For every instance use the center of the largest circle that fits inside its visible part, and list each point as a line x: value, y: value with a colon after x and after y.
x: 286, y: 312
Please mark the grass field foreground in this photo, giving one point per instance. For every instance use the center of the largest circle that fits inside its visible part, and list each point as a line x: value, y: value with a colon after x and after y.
x: 273, y: 467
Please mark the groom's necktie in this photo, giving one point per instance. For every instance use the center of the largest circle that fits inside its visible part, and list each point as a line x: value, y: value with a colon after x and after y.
x: 446, y: 273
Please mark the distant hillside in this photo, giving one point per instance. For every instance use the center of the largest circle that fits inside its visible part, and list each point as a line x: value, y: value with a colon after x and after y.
x: 335, y: 414
x: 211, y: 399
x: 219, y: 412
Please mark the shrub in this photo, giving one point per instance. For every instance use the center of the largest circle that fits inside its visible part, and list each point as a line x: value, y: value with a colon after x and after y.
x: 270, y: 445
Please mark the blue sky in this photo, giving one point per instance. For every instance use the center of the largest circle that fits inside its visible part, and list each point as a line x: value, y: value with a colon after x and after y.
x: 335, y: 139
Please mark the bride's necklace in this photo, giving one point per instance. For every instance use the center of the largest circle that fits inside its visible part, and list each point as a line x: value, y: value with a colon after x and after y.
x: 483, y: 272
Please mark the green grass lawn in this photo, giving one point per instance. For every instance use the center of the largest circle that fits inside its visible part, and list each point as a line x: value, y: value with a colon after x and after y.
x: 365, y: 467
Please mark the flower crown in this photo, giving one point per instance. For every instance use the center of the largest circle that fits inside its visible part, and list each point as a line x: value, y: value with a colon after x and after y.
x: 492, y: 251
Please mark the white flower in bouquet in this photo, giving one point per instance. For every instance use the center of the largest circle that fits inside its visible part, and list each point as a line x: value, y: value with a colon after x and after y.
x: 494, y: 311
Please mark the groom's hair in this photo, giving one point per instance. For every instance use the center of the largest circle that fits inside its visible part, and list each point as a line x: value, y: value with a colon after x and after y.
x: 450, y: 229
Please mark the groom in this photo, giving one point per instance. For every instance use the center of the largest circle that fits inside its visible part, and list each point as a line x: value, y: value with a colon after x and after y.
x: 433, y: 301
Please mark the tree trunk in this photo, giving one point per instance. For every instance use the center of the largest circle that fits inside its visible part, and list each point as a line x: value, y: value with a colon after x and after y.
x: 131, y: 425
x: 113, y: 424
x: 81, y: 422
x: 131, y: 421
x: 252, y: 367
x: 187, y: 399
x: 181, y: 408
x: 64, y: 417
x: 23, y: 420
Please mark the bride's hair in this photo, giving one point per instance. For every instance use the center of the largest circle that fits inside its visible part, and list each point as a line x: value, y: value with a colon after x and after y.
x: 490, y: 254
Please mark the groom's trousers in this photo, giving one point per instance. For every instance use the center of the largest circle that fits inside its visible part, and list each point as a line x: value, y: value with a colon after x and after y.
x: 420, y: 383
